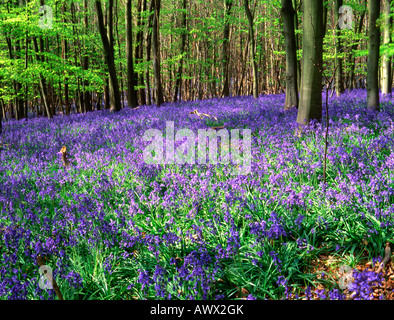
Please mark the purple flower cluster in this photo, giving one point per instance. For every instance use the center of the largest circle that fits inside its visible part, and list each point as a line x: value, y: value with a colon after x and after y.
x: 363, y: 284
x: 273, y: 229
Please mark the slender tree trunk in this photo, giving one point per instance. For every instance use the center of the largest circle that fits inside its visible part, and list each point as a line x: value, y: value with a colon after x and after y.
x: 386, y: 61
x: 266, y: 63
x: 353, y: 49
x: 178, y: 82
x: 373, y: 56
x: 338, y: 50
x: 107, y: 103
x: 19, y: 103
x: 109, y: 58
x: 46, y: 86
x: 252, y: 49
x: 225, y: 55
x: 78, y: 95
x: 297, y: 45
x: 3, y: 112
x: 148, y: 51
x: 25, y: 107
x: 16, y: 87
x: 86, y: 93
x: 156, y: 54
x: 42, y: 85
x: 122, y: 93
x: 241, y: 85
x: 110, y: 34
x: 312, y: 59
x: 139, y: 50
x: 291, y: 55
x: 131, y: 94
x: 65, y: 53
x: 113, y: 87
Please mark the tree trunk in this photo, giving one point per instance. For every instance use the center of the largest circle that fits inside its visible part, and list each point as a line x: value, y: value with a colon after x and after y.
x: 291, y: 55
x: 338, y: 50
x: 252, y: 49
x: 42, y: 85
x: 178, y: 81
x: 156, y: 54
x: 373, y: 56
x: 25, y: 106
x: 78, y: 96
x: 225, y: 55
x: 15, y: 85
x: 353, y: 49
x: 85, y: 66
x: 240, y: 87
x: 106, y: 94
x: 109, y: 58
x: 297, y: 45
x: 131, y: 94
x: 65, y: 53
x: 312, y: 59
x: 386, y: 61
x: 148, y: 52
x: 139, y: 50
x: 19, y: 103
x: 122, y: 93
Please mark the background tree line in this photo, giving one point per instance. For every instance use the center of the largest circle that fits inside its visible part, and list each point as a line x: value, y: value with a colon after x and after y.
x: 104, y: 54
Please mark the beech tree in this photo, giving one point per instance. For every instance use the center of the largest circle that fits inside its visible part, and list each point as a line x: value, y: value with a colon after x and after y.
x: 87, y: 103
x: 288, y: 14
x: 178, y: 81
x: 386, y: 60
x: 131, y: 94
x: 156, y: 53
x: 312, y: 59
x: 64, y: 57
x: 225, y: 55
x: 373, y: 56
x: 338, y: 49
x: 357, y: 31
x: 139, y: 49
x: 148, y: 51
x: 42, y: 83
x: 109, y: 58
x: 252, y: 49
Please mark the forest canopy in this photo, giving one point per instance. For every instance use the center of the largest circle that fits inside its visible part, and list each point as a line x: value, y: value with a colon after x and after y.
x: 52, y: 57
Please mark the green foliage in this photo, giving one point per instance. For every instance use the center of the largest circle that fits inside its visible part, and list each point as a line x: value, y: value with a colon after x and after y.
x: 204, y: 34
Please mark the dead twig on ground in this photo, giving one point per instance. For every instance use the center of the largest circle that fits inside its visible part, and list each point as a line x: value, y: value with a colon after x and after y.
x: 201, y: 114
